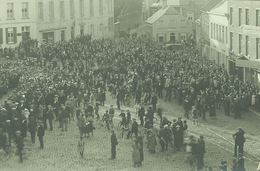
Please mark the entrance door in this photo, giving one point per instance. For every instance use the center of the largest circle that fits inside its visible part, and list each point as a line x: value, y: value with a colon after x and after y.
x: 172, y: 38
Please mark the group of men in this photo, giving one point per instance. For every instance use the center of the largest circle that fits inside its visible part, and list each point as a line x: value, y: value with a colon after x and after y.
x: 67, y: 76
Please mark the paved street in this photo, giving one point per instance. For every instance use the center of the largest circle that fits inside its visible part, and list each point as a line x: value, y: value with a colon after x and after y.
x: 61, y: 148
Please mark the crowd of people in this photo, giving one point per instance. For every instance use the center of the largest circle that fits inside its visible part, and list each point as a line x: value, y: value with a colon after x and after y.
x: 68, y: 81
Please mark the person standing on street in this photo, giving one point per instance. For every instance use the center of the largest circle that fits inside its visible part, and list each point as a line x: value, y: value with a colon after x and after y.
x: 20, y: 145
x: 32, y: 126
x: 239, y: 141
x: 200, y: 153
x: 40, y: 134
x: 114, y: 143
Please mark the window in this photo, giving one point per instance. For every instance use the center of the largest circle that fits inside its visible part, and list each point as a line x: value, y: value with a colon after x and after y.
x: 100, y: 7
x: 110, y: 23
x: 214, y: 30
x: 226, y: 35
x: 72, y: 33
x: 92, y: 29
x: 1, y: 36
x: 160, y: 38
x: 111, y: 5
x: 172, y: 37
x: 10, y: 10
x: 91, y: 8
x: 51, y: 10
x: 25, y: 13
x: 247, y: 17
x: 223, y: 33
x: 11, y: 36
x: 211, y: 25
x: 40, y: 11
x: 247, y: 41
x: 219, y: 32
x: 62, y: 35
x: 257, y: 17
x: 108, y: 5
x: 231, y: 15
x: 82, y: 30
x: 81, y: 8
x: 25, y: 32
x: 101, y: 28
x: 48, y: 37
x: 239, y: 16
x: 239, y: 43
x: 72, y: 9
x: 231, y: 41
x: 257, y: 48
x: 62, y: 10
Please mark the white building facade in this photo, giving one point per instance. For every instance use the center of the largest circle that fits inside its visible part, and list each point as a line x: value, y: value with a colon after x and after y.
x: 218, y: 28
x: 54, y: 20
x: 244, y: 41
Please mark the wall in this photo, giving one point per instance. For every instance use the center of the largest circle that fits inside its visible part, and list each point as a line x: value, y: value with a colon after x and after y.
x: 57, y: 24
x: 17, y: 22
x: 167, y: 24
x: 218, y: 30
x: 253, y: 32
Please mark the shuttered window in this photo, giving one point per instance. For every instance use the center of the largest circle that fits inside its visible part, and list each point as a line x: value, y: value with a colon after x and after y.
x: 1, y: 36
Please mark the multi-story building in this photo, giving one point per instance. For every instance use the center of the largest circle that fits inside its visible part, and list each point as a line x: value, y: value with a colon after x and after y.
x: 218, y: 29
x: 244, y: 37
x: 170, y: 24
x: 203, y: 28
x: 54, y: 20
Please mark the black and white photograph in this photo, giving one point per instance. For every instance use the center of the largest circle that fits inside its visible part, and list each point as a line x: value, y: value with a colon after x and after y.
x: 129, y: 85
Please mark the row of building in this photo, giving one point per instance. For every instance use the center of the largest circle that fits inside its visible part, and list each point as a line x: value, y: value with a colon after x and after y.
x: 54, y: 20
x: 228, y: 33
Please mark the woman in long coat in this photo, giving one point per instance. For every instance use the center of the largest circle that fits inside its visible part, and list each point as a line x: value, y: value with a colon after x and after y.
x: 136, y: 154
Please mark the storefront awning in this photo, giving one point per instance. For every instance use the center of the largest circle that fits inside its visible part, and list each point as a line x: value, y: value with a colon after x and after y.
x: 248, y: 64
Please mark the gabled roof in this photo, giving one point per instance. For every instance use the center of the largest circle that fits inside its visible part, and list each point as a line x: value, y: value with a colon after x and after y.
x: 220, y: 8
x: 210, y: 5
x: 157, y: 15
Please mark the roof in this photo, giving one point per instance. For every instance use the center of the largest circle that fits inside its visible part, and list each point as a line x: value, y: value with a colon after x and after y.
x: 220, y: 8
x: 210, y: 5
x: 157, y: 15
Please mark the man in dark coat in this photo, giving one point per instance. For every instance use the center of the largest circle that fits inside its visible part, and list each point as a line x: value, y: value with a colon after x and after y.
x: 114, y: 143
x: 239, y: 141
x: 134, y: 127
x: 154, y: 102
x: 200, y: 152
x: 32, y: 126
x: 49, y: 115
x: 40, y: 134
x: 20, y: 145
x: 178, y: 135
x: 141, y: 147
x: 141, y: 114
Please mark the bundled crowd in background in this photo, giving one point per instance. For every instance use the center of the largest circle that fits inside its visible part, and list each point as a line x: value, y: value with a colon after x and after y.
x: 68, y: 81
